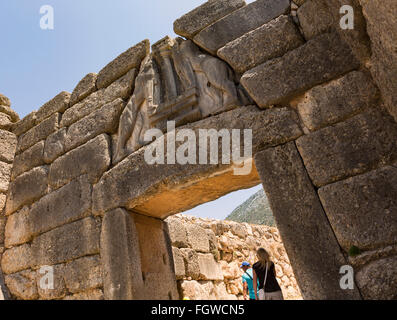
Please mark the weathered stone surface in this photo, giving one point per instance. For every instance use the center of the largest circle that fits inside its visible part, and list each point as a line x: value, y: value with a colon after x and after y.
x: 315, y: 256
x: 14, y: 117
x: 25, y: 124
x: 83, y: 274
x: 27, y: 188
x: 363, y: 210
x: 58, y: 104
x: 118, y: 188
x: 206, y: 14
x: 54, y: 145
x: 267, y: 42
x: 84, y: 88
x: 156, y: 259
x: 65, y: 205
x: 240, y: 22
x: 315, y: 18
x: 335, y: 101
x: 59, y: 290
x: 4, y: 101
x: 68, y: 242
x: 121, y: 88
x: 39, y: 132
x: 177, y: 233
x: 16, y: 259
x: 120, y: 256
x: 5, y: 121
x: 321, y: 59
x: 197, y: 238
x: 22, y: 285
x: 92, y: 158
x: 192, y: 267
x: 195, y: 291
x: 95, y: 294
x: 378, y: 280
x: 5, y: 174
x: 209, y: 269
x: 8, y: 144
x: 3, y: 198
x: 179, y: 263
x: 126, y: 61
x: 30, y: 158
x: 359, y: 144
x: 381, y: 24
x: 104, y: 120
x: 17, y: 228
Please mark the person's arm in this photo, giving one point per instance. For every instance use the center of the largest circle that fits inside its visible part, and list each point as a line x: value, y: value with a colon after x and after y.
x: 245, y: 290
x: 255, y: 283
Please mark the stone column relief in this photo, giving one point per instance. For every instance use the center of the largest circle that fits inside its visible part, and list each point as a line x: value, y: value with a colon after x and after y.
x: 177, y: 82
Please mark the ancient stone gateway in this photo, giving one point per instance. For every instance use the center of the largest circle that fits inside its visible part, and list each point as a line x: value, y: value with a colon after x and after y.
x: 319, y: 99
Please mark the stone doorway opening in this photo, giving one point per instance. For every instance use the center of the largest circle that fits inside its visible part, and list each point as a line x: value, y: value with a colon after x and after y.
x: 208, y: 246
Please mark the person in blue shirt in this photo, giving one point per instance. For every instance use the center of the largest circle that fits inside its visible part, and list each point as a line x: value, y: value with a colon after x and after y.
x: 248, y: 283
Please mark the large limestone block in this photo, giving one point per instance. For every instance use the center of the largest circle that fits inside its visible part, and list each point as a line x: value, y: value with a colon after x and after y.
x: 363, y: 209
x: 197, y: 238
x: 126, y: 61
x: 315, y: 256
x: 179, y: 263
x: 17, y: 230
x: 156, y: 259
x: 206, y: 14
x: 194, y: 290
x: 58, y: 104
x: 25, y: 124
x: 122, y: 88
x: 349, y: 148
x: 104, y: 120
x: 22, y: 285
x: 13, y: 116
x: 39, y: 132
x: 84, y: 88
x: 67, y: 204
x: 381, y: 25
x: 335, y: 101
x: 8, y: 144
x: 319, y: 60
x: 315, y: 18
x: 269, y: 41
x: 5, y: 121
x: 192, y: 267
x: 27, y: 160
x: 161, y: 183
x: 209, y: 269
x: 177, y: 233
x: 71, y: 241
x: 92, y: 159
x: 5, y: 175
x: 55, y: 145
x: 378, y: 280
x: 83, y: 274
x: 240, y: 22
x: 27, y: 188
x: 59, y: 290
x: 120, y: 256
x: 17, y: 259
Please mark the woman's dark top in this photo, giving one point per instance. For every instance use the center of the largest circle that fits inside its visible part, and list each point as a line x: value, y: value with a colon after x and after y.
x: 271, y: 281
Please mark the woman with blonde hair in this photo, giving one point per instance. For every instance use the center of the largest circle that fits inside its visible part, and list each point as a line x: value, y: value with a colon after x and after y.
x: 265, y: 274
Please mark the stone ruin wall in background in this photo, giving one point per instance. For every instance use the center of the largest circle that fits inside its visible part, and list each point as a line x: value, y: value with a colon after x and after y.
x: 323, y: 139
x: 208, y: 254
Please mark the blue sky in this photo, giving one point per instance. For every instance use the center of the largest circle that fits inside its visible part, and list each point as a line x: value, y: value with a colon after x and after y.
x: 36, y: 64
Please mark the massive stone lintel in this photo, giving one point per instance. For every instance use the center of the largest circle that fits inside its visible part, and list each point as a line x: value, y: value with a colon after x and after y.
x: 308, y: 238
x: 163, y: 189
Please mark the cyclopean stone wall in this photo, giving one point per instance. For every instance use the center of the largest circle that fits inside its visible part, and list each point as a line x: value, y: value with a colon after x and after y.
x: 208, y: 254
x: 83, y: 200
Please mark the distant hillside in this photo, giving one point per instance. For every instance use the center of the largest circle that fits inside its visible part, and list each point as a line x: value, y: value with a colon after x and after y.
x: 255, y: 210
